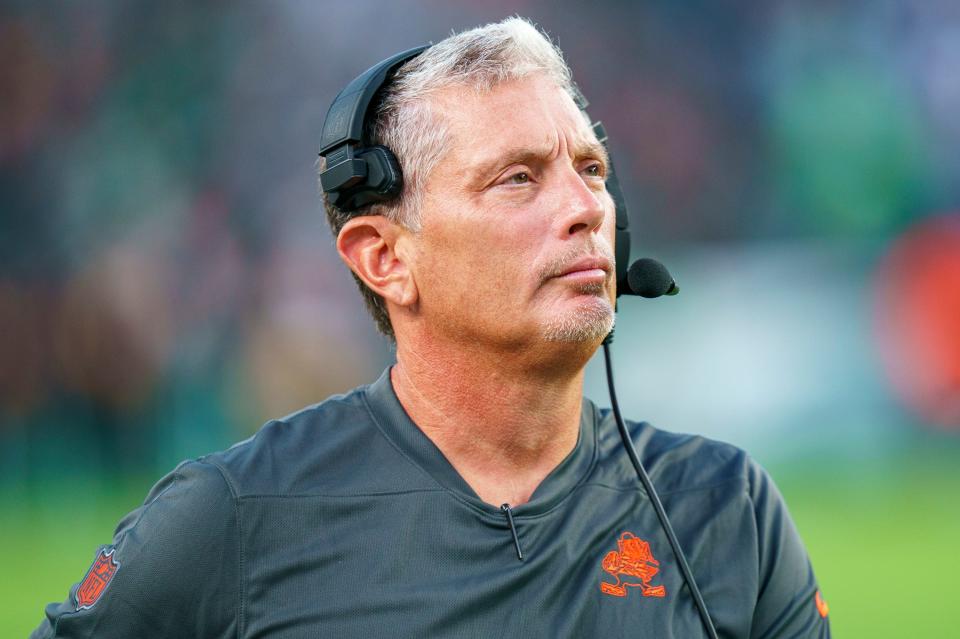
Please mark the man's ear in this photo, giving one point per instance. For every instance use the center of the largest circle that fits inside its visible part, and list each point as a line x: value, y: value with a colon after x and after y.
x: 368, y: 245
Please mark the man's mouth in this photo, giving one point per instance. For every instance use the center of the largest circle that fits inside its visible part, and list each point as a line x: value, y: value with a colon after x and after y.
x: 586, y: 270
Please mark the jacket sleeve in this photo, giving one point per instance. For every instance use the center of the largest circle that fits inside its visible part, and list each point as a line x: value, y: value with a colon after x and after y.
x: 172, y: 569
x: 788, y: 603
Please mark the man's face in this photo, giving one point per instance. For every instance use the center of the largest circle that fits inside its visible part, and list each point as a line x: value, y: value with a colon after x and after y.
x: 517, y: 228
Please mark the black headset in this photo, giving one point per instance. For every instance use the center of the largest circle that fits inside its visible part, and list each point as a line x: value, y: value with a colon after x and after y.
x: 358, y: 173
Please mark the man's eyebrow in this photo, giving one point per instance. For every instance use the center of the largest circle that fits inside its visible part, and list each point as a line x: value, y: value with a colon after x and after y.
x: 592, y: 148
x: 585, y: 148
x: 506, y: 157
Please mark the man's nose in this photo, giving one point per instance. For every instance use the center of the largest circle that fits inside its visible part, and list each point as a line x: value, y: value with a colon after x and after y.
x: 582, y: 206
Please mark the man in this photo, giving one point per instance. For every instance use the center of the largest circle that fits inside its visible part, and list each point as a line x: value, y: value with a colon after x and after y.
x: 471, y: 491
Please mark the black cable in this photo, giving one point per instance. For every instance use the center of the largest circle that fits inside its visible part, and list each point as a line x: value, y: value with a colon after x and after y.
x: 655, y: 499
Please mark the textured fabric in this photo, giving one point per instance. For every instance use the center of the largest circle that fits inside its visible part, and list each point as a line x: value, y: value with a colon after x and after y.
x: 344, y: 520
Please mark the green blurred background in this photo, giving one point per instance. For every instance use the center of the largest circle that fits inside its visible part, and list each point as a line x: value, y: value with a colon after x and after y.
x: 167, y: 282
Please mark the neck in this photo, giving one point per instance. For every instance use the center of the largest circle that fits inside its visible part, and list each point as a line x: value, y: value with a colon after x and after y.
x: 504, y: 420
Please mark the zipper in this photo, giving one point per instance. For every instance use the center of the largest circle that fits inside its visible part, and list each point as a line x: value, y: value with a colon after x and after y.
x: 513, y: 529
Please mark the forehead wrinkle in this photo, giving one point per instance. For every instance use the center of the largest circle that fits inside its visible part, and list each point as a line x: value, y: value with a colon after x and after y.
x: 570, y: 125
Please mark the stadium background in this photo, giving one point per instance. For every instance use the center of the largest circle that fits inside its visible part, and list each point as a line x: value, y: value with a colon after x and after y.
x: 168, y: 282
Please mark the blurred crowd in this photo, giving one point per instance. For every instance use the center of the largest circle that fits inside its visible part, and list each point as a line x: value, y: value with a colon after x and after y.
x: 167, y: 281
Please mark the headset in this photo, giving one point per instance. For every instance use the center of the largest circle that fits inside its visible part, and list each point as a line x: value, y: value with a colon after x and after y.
x: 358, y: 173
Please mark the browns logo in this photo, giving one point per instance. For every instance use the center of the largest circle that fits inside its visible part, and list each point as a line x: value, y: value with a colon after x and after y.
x: 633, y: 561
x: 97, y: 579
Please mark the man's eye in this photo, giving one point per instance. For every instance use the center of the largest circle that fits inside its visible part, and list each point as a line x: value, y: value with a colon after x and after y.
x: 519, y: 178
x: 594, y: 170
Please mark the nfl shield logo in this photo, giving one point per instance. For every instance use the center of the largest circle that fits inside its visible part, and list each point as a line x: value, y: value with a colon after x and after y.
x: 97, y: 579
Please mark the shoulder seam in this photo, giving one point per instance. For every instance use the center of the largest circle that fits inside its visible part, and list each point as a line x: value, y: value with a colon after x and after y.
x: 678, y: 491
x: 208, y: 460
x: 241, y: 573
x: 715, y: 484
x: 392, y: 493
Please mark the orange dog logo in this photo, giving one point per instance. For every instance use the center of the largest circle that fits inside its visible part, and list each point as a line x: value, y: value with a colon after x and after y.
x: 633, y: 561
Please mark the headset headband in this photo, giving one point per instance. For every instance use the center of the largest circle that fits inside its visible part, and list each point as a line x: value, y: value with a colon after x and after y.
x: 357, y: 174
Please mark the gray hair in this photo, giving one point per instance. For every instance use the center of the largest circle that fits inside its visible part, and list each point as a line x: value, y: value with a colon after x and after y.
x: 477, y: 59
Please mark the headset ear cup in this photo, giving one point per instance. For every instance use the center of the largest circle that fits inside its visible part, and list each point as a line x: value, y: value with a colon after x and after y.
x: 385, y: 178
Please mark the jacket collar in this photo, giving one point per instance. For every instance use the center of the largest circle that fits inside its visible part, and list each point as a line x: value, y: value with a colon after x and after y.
x: 404, y: 434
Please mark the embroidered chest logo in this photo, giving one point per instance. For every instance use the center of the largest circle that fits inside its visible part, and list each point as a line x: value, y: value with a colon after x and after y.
x: 631, y: 565
x: 97, y: 579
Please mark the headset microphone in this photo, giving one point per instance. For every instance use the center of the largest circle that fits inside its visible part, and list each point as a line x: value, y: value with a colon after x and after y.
x: 649, y: 278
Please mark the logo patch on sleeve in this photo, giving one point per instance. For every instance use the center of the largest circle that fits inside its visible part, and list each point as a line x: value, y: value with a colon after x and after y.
x: 97, y: 579
x: 822, y: 606
x: 632, y: 564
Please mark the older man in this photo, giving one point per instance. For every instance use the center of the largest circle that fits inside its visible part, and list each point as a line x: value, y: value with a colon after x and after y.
x: 471, y: 491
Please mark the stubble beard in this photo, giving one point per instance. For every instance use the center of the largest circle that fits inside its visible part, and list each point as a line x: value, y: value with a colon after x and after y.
x: 593, y: 319
x: 589, y: 322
